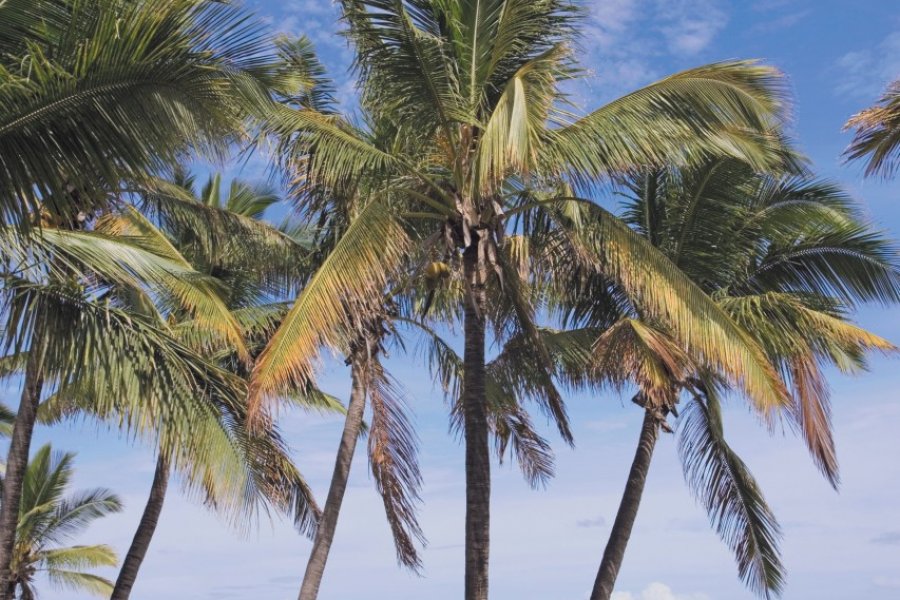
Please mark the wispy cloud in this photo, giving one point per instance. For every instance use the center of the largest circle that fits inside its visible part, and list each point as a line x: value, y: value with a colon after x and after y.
x: 888, y: 538
x: 630, y: 42
x: 590, y: 523
x: 690, y: 26
x: 863, y: 74
x: 780, y: 23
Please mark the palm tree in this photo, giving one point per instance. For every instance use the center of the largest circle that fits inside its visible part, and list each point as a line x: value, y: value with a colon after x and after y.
x: 236, y: 469
x: 94, y: 93
x: 877, y: 134
x: 392, y: 445
x: 48, y: 518
x: 786, y: 258
x: 470, y: 95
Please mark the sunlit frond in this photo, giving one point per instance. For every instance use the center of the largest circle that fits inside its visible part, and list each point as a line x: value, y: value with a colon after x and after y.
x: 722, y: 108
x: 590, y: 238
x: 352, y: 278
x: 635, y: 352
x: 876, y: 136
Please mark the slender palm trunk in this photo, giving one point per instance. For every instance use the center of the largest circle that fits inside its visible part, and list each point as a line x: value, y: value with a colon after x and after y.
x: 315, y: 567
x: 478, y: 463
x: 628, y: 509
x: 146, y: 528
x: 17, y: 458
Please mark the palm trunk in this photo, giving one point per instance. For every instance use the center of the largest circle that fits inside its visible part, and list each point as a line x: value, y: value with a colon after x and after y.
x: 478, y: 463
x: 628, y: 509
x: 315, y: 567
x: 143, y: 535
x: 17, y: 458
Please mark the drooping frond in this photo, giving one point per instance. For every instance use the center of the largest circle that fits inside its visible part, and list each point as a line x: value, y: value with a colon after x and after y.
x: 80, y: 582
x: 119, y: 362
x: 800, y: 339
x: 542, y: 387
x: 139, y: 260
x: 720, y: 480
x: 507, y: 380
x: 393, y: 449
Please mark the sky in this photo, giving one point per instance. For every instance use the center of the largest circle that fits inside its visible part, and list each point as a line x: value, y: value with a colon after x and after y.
x: 837, y: 56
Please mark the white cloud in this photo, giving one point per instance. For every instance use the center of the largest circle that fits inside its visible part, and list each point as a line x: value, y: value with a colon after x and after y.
x: 629, y: 40
x: 658, y: 591
x: 589, y: 523
x: 781, y: 23
x: 863, y: 74
x: 611, y: 20
x: 690, y: 26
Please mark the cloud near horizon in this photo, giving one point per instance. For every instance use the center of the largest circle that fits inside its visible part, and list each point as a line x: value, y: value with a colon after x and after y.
x: 658, y: 591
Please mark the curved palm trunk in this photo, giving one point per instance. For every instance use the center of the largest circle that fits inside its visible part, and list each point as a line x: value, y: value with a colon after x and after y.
x: 478, y: 464
x: 143, y: 535
x: 17, y: 458
x: 315, y: 566
x: 628, y: 509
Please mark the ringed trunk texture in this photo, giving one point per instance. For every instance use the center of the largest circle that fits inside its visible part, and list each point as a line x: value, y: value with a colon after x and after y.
x: 628, y: 509
x: 478, y: 463
x: 146, y: 528
x: 17, y: 458
x: 315, y: 567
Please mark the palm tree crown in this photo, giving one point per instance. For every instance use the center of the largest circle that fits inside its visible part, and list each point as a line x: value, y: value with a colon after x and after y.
x: 48, y: 518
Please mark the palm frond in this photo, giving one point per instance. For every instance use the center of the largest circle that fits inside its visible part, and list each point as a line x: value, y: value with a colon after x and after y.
x: 78, y: 557
x: 722, y: 108
x: 80, y: 582
x: 393, y: 449
x: 722, y: 483
x: 352, y: 277
x: 598, y: 241
x: 877, y: 134
x: 142, y: 83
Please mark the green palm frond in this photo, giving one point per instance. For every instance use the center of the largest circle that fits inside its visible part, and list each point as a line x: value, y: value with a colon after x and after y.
x: 143, y: 82
x: 75, y: 513
x: 7, y: 418
x: 852, y: 263
x: 78, y: 557
x: 80, y: 582
x: 722, y: 108
x: 400, y: 47
x: 300, y: 77
x: 732, y: 498
x: 129, y: 366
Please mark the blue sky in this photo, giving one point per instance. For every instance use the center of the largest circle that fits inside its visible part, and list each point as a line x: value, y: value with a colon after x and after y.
x: 837, y: 55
